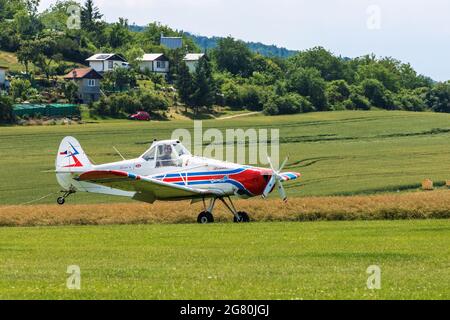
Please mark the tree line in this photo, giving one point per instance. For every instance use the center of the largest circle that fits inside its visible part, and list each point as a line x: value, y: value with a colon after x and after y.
x: 230, y: 74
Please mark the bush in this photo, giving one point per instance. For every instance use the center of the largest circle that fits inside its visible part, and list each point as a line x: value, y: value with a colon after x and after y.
x: 287, y: 104
x: 252, y: 97
x: 231, y: 94
x: 19, y: 88
x: 123, y: 102
x: 358, y: 101
x: 309, y: 83
x: 438, y: 98
x: 126, y: 103
x: 6, y: 110
x: 151, y: 101
x: 410, y: 101
x: 337, y: 92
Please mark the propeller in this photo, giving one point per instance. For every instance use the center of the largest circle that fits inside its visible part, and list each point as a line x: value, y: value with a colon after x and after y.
x: 276, y: 179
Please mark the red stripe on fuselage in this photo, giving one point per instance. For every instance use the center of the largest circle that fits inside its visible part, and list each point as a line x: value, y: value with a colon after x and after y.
x: 252, y: 179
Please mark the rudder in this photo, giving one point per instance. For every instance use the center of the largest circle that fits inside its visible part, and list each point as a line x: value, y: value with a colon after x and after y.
x: 71, y: 157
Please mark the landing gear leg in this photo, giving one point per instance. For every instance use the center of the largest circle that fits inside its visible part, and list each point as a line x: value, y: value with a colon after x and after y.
x: 61, y: 200
x: 239, y: 216
x: 206, y: 215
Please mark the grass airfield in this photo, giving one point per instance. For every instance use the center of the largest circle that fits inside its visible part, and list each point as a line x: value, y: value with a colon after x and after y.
x: 338, y: 153
x: 286, y: 260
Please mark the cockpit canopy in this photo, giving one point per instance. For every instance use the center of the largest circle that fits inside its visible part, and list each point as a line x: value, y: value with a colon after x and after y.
x: 166, y: 153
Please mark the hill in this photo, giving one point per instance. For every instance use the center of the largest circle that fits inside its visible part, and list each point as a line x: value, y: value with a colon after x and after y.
x: 206, y: 43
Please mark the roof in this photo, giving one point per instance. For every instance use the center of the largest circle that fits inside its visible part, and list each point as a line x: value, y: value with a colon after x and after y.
x: 152, y: 57
x: 193, y: 56
x: 106, y: 56
x: 172, y: 42
x: 4, y: 68
x: 81, y: 73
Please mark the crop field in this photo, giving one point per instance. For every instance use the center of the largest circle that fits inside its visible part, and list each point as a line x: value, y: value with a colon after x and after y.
x: 338, y: 153
x: 278, y: 260
x: 362, y: 167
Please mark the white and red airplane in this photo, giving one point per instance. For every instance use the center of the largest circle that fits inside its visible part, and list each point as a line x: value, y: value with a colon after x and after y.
x: 167, y: 171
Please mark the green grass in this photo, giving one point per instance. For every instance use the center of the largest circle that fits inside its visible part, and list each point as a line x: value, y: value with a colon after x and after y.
x: 337, y: 152
x: 226, y: 261
x: 9, y: 59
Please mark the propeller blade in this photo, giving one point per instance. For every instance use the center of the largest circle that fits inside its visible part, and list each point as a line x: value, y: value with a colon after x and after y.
x: 269, y: 186
x: 283, y: 164
x: 281, y: 191
x: 270, y: 164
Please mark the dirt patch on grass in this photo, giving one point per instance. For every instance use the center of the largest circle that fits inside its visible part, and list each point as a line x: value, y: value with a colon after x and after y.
x: 419, y: 205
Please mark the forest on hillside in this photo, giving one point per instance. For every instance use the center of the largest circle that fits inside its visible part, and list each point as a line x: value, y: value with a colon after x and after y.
x: 231, y: 74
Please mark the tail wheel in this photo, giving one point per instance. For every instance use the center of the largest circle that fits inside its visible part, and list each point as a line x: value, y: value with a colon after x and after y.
x: 241, y: 217
x: 205, y: 217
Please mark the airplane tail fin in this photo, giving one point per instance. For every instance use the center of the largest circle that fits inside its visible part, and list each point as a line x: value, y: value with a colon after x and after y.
x: 71, y: 157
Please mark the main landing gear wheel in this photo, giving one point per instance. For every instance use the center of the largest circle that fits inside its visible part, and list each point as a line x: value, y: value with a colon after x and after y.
x: 241, y: 217
x: 60, y: 200
x: 205, y: 217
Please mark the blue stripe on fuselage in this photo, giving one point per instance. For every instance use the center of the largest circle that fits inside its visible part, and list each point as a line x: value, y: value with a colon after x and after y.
x: 195, y: 174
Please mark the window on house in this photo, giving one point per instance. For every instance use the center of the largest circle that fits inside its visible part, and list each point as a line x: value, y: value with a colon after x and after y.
x: 161, y: 64
x: 110, y: 64
x: 91, y: 83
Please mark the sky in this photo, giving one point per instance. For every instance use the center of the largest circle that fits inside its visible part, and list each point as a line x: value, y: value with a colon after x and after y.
x: 414, y: 31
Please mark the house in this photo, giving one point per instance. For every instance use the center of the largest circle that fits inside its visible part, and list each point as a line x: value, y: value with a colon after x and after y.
x: 154, y: 62
x: 171, y: 42
x: 88, y: 81
x: 104, y: 62
x: 192, y: 59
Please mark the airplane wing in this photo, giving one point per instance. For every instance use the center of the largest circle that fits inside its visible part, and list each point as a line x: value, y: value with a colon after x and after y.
x: 289, y: 175
x: 147, y: 189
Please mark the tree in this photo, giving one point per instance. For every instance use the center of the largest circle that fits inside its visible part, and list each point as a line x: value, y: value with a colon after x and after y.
x: 134, y: 55
x: 309, y: 83
x: 90, y: 16
x: 375, y: 92
x: 6, y: 110
x: 438, y: 98
x: 19, y: 88
x: 119, y: 33
x: 337, y: 92
x: 184, y: 83
x: 329, y: 66
x: 119, y: 79
x: 204, y: 93
x: 233, y: 56
x: 70, y: 89
x: 27, y: 25
x: 27, y: 53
